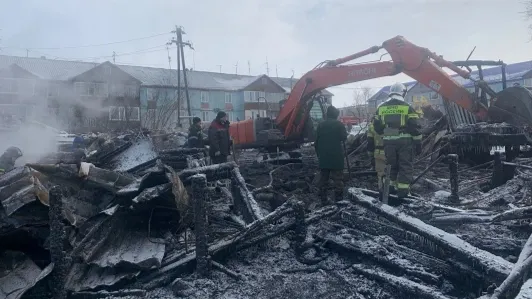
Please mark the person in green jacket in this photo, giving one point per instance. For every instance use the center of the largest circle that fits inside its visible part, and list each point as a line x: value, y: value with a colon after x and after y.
x: 330, y: 135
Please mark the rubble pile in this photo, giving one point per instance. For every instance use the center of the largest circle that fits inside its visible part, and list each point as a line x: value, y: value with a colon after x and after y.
x: 136, y: 218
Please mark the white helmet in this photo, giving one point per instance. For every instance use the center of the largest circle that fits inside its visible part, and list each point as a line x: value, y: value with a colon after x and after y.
x: 398, y: 89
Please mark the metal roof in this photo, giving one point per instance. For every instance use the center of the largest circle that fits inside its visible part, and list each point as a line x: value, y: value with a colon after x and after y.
x: 47, y: 69
x: 514, y: 71
x: 63, y: 70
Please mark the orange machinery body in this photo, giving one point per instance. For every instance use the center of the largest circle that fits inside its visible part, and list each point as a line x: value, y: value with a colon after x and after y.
x: 414, y: 61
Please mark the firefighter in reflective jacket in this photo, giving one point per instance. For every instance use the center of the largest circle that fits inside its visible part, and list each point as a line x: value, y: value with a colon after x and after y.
x: 375, y: 148
x: 397, y: 122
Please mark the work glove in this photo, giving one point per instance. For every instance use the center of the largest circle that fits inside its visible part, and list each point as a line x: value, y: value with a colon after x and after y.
x: 216, y: 154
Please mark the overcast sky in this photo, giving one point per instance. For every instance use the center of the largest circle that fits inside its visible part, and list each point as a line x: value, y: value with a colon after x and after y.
x: 292, y: 35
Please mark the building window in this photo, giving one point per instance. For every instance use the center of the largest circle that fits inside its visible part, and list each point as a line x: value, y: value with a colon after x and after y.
x: 17, y: 86
x: 263, y: 113
x: 117, y: 113
x: 91, y: 89
x: 527, y: 82
x: 204, y: 97
x: 133, y: 113
x: 205, y: 115
x: 262, y: 96
x: 250, y: 96
x: 228, y: 98
x: 230, y: 116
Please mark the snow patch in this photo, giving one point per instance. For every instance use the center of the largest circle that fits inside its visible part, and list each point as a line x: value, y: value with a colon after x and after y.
x: 138, y: 153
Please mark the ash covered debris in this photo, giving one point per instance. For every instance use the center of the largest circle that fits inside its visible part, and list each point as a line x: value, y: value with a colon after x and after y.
x: 130, y: 231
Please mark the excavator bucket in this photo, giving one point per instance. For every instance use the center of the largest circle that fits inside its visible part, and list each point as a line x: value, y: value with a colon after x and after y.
x: 513, y: 105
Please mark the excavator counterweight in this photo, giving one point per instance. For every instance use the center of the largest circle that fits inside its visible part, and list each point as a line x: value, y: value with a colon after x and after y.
x: 512, y: 105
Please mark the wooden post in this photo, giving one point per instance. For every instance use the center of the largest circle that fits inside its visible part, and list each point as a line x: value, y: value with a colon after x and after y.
x: 453, y: 170
x: 386, y: 184
x: 199, y: 186
x: 497, y: 176
x: 57, y: 240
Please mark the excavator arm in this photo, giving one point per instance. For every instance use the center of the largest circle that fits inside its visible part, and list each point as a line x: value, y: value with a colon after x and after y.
x: 419, y: 63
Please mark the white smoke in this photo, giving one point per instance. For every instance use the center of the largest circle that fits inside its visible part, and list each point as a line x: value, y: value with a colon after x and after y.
x: 34, y: 141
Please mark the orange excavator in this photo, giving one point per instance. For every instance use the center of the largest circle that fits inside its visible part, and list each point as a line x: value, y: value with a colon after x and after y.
x: 291, y: 127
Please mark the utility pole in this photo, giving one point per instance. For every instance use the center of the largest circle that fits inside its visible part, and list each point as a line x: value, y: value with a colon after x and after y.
x: 114, y: 57
x: 178, y: 40
x: 249, y: 68
x: 276, y: 72
x: 236, y: 68
x: 219, y: 68
x: 27, y: 52
x: 169, y: 58
x: 267, y: 67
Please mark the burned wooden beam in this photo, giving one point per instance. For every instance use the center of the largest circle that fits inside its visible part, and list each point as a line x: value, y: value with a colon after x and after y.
x: 213, y: 172
x: 453, y: 171
x: 199, y: 186
x: 403, y: 285
x: 255, y: 233
x: 57, y: 240
x: 243, y: 198
x: 495, y: 268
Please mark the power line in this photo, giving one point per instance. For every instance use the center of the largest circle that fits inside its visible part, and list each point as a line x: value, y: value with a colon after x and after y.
x: 142, y: 51
x: 88, y: 46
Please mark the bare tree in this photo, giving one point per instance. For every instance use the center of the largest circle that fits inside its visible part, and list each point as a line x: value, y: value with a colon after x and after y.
x: 162, y: 110
x: 528, y: 12
x: 360, y: 101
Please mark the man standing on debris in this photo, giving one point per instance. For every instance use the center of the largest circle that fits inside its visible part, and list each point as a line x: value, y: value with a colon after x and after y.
x: 195, y: 134
x: 330, y: 135
x: 375, y: 148
x: 397, y: 121
x: 219, y: 141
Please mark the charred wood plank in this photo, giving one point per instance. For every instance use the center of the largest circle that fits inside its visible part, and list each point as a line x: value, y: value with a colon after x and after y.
x: 243, y: 198
x: 213, y: 172
x: 365, y: 247
x: 106, y: 294
x: 495, y: 268
x: 242, y: 240
x: 409, y: 288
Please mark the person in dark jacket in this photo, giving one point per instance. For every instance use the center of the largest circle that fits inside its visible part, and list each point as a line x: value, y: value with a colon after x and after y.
x: 219, y: 141
x: 397, y: 122
x: 330, y: 135
x: 195, y: 134
x: 8, y: 158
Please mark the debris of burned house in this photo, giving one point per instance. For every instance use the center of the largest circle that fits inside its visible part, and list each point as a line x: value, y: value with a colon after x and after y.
x: 135, y: 220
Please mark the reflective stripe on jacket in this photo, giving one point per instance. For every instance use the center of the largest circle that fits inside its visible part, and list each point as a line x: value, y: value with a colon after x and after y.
x: 397, y: 119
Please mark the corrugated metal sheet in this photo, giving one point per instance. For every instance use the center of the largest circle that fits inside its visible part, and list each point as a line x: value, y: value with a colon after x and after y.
x: 62, y: 70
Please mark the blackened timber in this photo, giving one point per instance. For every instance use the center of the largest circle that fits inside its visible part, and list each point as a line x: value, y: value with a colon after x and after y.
x: 57, y: 241
x: 494, y: 267
x: 403, y: 285
x: 243, y: 198
x: 213, y: 172
x: 199, y: 187
x: 453, y: 175
x: 166, y: 274
x: 497, y: 178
